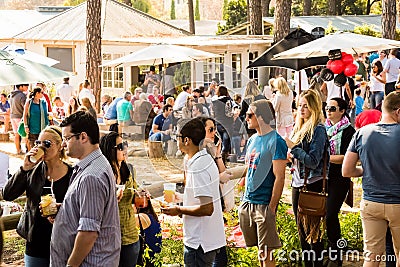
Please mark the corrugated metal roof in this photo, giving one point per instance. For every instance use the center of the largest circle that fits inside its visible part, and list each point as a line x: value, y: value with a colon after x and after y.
x: 118, y: 21
x: 342, y: 23
x: 15, y: 21
x: 202, y: 27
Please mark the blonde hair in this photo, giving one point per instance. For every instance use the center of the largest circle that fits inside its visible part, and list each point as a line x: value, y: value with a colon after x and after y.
x: 305, y: 129
x: 281, y: 85
x: 86, y: 103
x: 57, y: 135
x: 251, y: 90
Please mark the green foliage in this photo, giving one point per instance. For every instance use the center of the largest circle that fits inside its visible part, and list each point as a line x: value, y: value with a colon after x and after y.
x: 73, y: 2
x: 182, y: 74
x: 330, y: 29
x: 225, y: 9
x: 366, y: 29
x: 235, y: 15
x: 172, y: 14
x: 287, y: 229
x: 142, y: 5
x: 350, y: 224
x: 197, y: 11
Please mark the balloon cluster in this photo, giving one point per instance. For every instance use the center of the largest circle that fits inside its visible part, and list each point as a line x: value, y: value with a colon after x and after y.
x: 344, y: 64
x: 339, y: 63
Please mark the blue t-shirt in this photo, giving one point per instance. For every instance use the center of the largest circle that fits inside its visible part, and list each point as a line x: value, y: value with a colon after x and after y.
x: 111, y: 113
x: 159, y: 121
x: 376, y: 145
x: 260, y: 178
x: 359, y: 104
x: 4, y: 107
x: 34, y: 120
x: 124, y: 108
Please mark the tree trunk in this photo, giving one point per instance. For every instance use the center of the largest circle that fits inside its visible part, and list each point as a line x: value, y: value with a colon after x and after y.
x: 191, y: 17
x: 256, y: 24
x: 307, y: 8
x: 265, y: 7
x: 93, y: 47
x: 331, y: 7
x: 388, y: 19
x: 282, y: 24
x: 339, y: 7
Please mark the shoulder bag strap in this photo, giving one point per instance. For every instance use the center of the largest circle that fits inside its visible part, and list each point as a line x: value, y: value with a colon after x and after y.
x: 141, y: 227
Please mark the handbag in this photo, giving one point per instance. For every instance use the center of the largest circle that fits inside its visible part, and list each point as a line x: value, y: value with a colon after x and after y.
x: 21, y: 129
x: 314, y: 203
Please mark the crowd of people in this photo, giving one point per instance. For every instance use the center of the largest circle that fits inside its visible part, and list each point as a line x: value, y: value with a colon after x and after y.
x: 96, y: 223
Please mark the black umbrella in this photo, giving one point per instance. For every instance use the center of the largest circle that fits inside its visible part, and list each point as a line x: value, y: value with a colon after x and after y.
x: 293, y: 39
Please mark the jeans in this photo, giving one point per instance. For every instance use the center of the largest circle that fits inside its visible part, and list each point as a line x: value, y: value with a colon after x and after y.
x: 221, y: 258
x: 236, y: 140
x: 129, y: 255
x: 36, y: 261
x: 159, y: 137
x: 337, y: 191
x: 390, y: 87
x: 226, y: 141
x: 317, y: 247
x: 198, y: 258
x: 375, y: 99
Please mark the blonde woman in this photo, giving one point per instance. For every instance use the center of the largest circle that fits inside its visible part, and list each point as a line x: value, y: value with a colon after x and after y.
x: 308, y: 143
x: 282, y: 103
x: 86, y: 103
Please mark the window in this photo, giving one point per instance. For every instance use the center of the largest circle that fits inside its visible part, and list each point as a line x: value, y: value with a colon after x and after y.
x: 237, y: 70
x: 113, y: 77
x: 213, y: 68
x: 253, y: 72
x: 63, y: 54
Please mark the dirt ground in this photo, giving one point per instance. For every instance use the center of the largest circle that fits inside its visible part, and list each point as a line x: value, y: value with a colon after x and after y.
x: 148, y: 171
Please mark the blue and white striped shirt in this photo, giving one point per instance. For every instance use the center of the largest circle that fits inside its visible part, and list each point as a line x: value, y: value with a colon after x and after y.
x: 90, y: 204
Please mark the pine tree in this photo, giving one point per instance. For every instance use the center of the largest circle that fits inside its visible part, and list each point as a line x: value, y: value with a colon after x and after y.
x: 197, y: 11
x: 173, y: 16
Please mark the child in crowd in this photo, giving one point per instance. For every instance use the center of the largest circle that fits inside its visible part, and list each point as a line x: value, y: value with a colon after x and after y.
x: 359, y: 101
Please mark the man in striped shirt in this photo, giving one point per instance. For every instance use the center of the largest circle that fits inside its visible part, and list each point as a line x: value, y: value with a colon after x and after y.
x: 86, y: 230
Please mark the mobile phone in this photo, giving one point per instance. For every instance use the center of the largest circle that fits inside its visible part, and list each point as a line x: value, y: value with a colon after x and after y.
x: 217, y: 138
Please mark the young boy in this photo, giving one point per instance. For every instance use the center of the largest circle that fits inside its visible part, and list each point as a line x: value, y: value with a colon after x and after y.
x: 359, y: 101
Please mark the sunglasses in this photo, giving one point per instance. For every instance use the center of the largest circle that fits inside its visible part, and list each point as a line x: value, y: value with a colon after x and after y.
x: 211, y: 129
x: 331, y: 108
x: 122, y: 146
x: 45, y: 143
x: 249, y: 115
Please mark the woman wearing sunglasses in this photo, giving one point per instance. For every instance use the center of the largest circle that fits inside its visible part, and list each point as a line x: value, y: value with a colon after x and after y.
x: 115, y: 150
x: 340, y: 132
x: 36, y: 117
x: 308, y: 144
x: 36, y: 179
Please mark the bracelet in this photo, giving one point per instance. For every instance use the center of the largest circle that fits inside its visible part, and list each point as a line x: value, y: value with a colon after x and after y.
x: 220, y: 157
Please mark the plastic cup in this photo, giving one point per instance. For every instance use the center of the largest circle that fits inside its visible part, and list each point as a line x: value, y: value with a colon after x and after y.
x: 169, y: 192
x: 38, y: 156
x: 141, y: 199
x: 48, y: 204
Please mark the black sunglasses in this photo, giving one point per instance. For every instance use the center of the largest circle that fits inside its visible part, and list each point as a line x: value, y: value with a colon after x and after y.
x: 45, y: 143
x: 212, y: 129
x: 249, y: 115
x: 122, y: 146
x: 331, y: 108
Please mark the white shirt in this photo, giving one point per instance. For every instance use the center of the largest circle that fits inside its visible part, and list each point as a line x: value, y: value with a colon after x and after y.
x: 87, y: 93
x: 334, y: 91
x: 4, y: 165
x: 304, y: 81
x: 202, y: 180
x: 65, y: 91
x: 181, y: 100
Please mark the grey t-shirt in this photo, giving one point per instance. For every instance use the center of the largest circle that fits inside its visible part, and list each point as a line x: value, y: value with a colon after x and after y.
x: 392, y: 67
x: 377, y: 146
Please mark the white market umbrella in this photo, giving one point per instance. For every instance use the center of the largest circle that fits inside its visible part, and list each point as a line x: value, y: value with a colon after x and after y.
x: 17, y: 51
x: 16, y: 70
x: 348, y: 42
x: 161, y: 54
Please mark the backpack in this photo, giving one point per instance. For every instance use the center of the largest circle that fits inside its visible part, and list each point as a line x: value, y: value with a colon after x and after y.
x: 229, y: 108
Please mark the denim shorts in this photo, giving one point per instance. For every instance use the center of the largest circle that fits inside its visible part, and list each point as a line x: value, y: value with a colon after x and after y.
x: 198, y: 258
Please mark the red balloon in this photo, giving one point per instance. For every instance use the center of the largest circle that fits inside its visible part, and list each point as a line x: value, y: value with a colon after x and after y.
x: 337, y: 66
x: 350, y: 70
x: 329, y: 63
x: 343, y: 54
x: 347, y: 59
